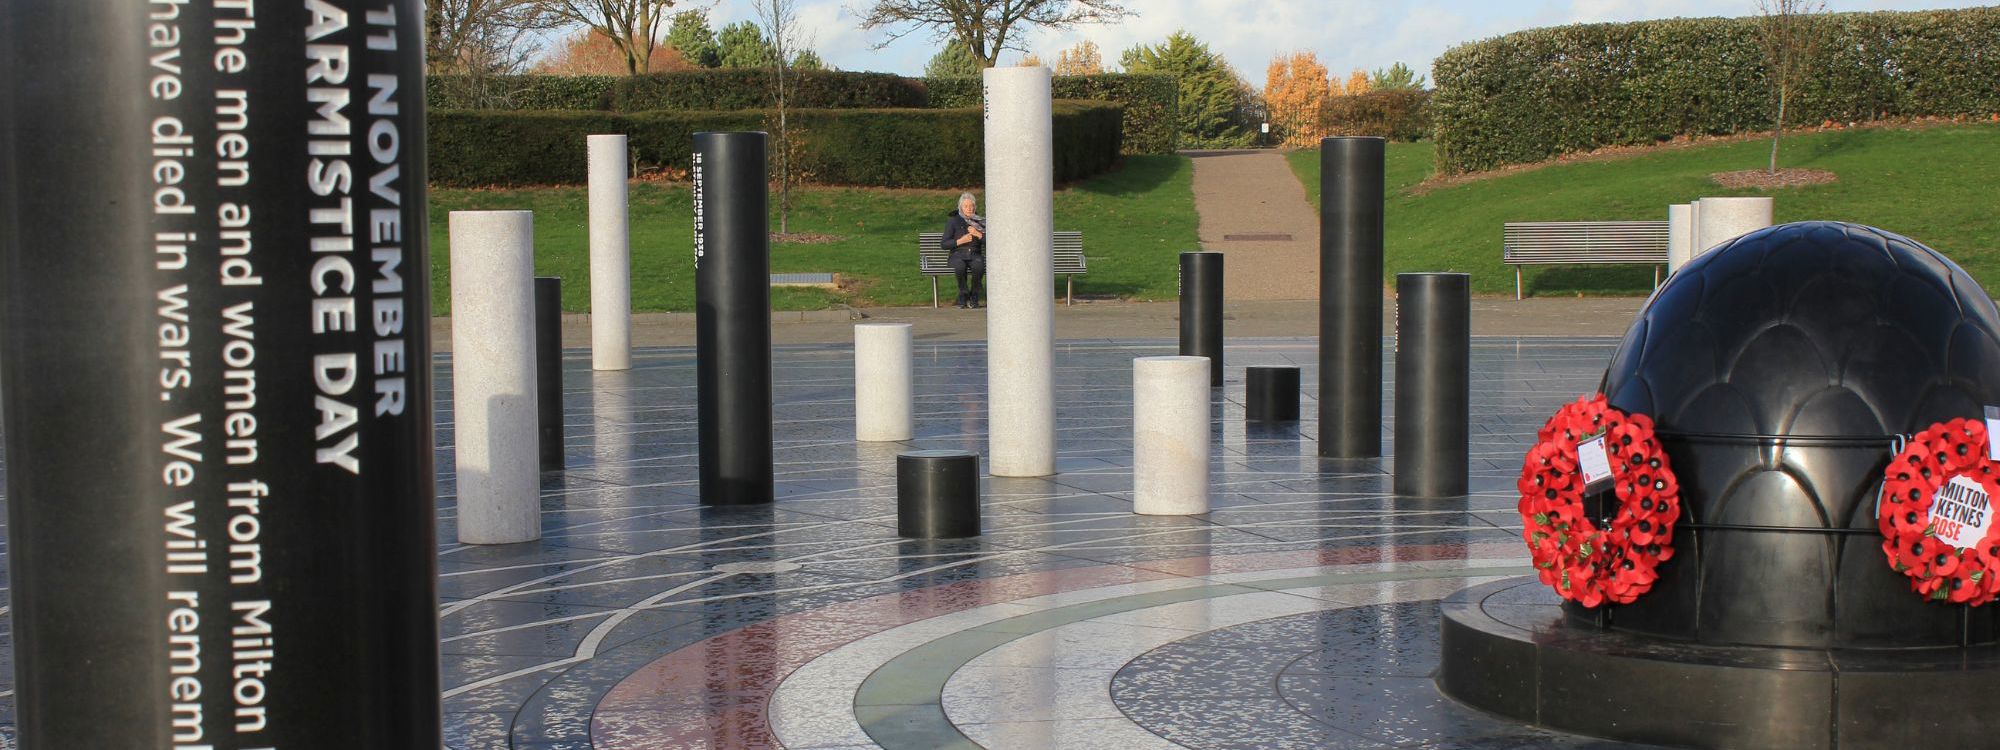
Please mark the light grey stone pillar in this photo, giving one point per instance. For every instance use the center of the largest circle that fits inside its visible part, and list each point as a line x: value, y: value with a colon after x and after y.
x: 1020, y: 277
x: 610, y: 255
x: 1724, y: 219
x: 883, y: 382
x: 493, y: 376
x: 1680, y: 235
x: 1170, y: 444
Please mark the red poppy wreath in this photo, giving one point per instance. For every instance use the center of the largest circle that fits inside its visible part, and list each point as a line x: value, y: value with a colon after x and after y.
x: 1936, y: 514
x: 1581, y: 561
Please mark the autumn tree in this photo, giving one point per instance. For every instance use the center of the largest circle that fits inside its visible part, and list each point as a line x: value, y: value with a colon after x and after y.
x: 691, y: 34
x: 1029, y: 61
x: 633, y: 26
x: 588, y: 53
x: 1080, y: 60
x: 1357, y: 83
x: 1296, y: 88
x: 985, y: 27
x: 1789, y: 33
x: 1209, y: 115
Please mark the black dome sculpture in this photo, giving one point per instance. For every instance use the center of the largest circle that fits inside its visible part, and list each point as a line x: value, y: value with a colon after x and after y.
x: 1778, y: 367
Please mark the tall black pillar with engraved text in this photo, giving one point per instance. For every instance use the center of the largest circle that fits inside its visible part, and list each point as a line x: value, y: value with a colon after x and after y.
x: 732, y: 297
x: 217, y: 373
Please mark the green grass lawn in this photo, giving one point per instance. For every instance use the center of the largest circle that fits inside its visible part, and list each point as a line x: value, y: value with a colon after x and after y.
x: 1935, y: 185
x: 1135, y: 221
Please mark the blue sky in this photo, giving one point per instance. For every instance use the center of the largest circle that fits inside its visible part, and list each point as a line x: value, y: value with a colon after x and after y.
x: 1346, y: 34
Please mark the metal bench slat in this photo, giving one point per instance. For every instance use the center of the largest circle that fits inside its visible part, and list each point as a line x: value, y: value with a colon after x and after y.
x: 1582, y: 243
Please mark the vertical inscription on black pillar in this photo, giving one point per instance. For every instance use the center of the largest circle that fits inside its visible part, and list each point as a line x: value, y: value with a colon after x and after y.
x: 214, y: 389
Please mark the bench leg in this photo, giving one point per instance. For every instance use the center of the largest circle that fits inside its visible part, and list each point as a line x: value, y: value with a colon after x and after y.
x: 1656, y: 277
x: 1069, y: 293
x: 934, y: 293
x: 1517, y: 283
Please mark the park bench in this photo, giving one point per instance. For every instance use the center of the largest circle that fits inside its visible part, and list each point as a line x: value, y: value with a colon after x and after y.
x: 934, y: 261
x: 1551, y: 243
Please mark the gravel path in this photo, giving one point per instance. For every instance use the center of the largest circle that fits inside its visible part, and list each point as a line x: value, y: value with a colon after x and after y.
x: 1253, y: 197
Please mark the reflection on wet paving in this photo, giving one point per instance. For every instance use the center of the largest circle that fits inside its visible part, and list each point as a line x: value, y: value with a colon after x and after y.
x: 1300, y: 612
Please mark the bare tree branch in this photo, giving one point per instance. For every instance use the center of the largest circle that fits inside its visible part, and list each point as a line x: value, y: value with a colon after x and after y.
x: 985, y: 27
x: 634, y: 26
x: 1789, y: 33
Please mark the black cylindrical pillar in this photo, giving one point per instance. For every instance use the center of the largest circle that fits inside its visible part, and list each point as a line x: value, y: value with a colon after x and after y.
x: 216, y: 344
x: 732, y: 296
x: 1350, y: 297
x: 1433, y: 383
x: 1271, y: 394
x: 548, y: 370
x: 937, y: 494
x: 1201, y: 310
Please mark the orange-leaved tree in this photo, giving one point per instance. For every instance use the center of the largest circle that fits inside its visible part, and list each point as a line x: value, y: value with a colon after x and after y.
x: 1295, y: 93
x: 590, y: 53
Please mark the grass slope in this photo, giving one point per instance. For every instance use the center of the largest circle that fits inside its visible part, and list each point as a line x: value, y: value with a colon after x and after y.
x: 1135, y: 221
x: 1935, y: 185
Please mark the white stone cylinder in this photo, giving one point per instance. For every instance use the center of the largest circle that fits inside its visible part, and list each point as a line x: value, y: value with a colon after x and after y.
x: 1725, y: 219
x: 493, y: 376
x: 1020, y: 277
x: 610, y: 255
x: 1170, y: 445
x: 1680, y: 235
x: 883, y: 383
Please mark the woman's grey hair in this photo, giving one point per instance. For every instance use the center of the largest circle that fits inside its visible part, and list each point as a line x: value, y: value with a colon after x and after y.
x: 963, y: 197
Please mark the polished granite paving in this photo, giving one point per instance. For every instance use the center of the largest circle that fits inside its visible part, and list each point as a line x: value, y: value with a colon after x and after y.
x: 1300, y: 613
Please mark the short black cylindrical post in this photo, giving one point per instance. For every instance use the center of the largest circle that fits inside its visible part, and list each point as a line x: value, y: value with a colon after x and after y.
x: 937, y: 494
x: 732, y: 293
x: 1433, y: 383
x: 216, y: 343
x: 1201, y: 310
x: 1271, y: 394
x: 548, y: 370
x: 1350, y: 297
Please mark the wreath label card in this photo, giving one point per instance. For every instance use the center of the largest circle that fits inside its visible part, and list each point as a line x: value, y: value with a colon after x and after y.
x: 1961, y: 512
x: 1992, y: 428
x: 1594, y: 463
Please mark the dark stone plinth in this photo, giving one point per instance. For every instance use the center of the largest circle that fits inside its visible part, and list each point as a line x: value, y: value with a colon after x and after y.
x: 937, y: 494
x: 1271, y: 394
x: 1509, y: 649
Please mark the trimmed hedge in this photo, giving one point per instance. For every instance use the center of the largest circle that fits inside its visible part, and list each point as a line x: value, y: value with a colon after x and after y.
x: 1537, y: 94
x: 1395, y: 114
x: 704, y: 90
x: 750, y: 88
x: 519, y: 92
x: 922, y: 148
x: 1152, y: 102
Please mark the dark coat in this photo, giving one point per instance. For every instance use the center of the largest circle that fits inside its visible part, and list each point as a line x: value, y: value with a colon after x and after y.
x: 972, y: 253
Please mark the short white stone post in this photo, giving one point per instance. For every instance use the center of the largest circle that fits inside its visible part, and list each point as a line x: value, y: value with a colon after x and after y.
x: 1020, y: 275
x: 1170, y: 445
x: 883, y: 383
x: 493, y: 376
x: 1725, y: 219
x: 610, y: 255
x: 1680, y: 235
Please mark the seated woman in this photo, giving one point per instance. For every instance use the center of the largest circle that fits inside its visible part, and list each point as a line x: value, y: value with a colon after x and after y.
x: 965, y: 239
